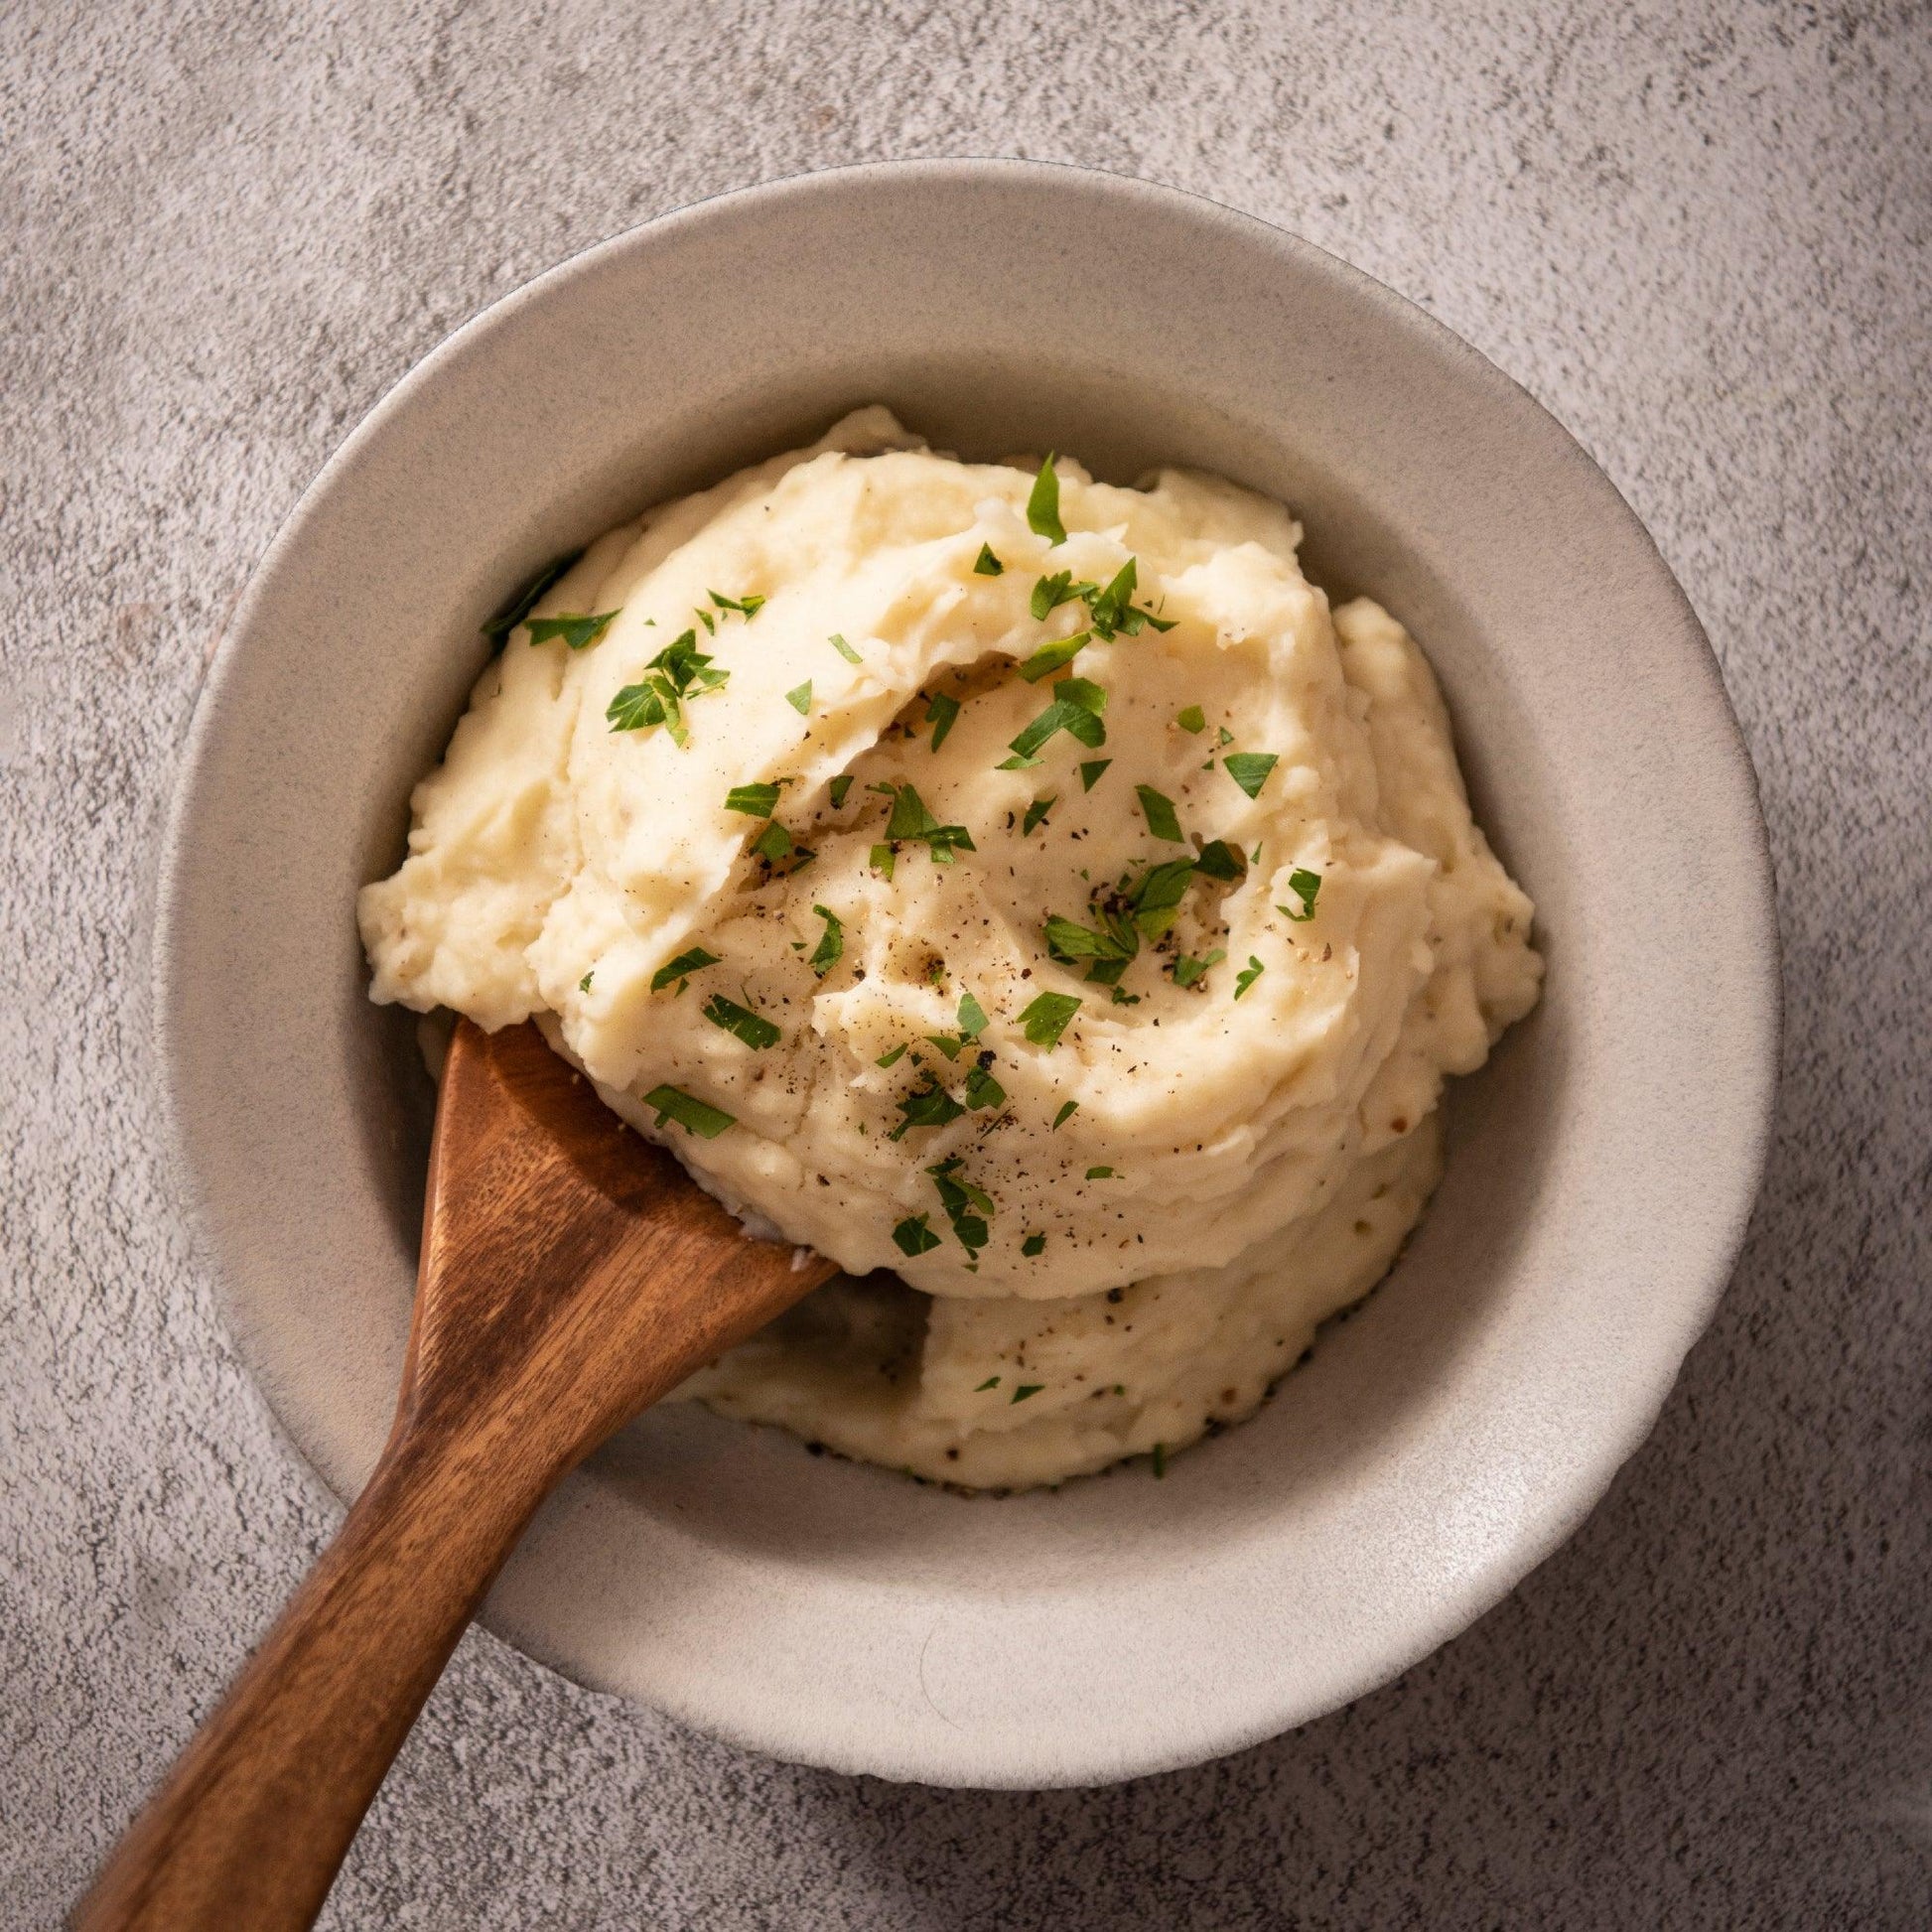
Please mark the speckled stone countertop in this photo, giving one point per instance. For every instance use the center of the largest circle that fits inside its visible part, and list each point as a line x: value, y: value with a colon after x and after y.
x: 1701, y: 234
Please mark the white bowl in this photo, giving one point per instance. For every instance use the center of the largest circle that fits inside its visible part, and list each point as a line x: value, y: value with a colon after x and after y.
x: 1441, y: 1442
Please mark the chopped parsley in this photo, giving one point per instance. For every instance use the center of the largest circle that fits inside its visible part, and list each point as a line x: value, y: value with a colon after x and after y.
x: 678, y: 673
x: 882, y: 859
x: 528, y: 598
x: 840, y: 786
x: 915, y: 1237
x: 774, y: 843
x: 1159, y: 1459
x: 986, y: 564
x: 1159, y: 814
x: 1220, y: 860
x: 911, y: 823
x: 1250, y: 770
x: 982, y: 1090
x: 576, y: 628
x: 692, y: 1114
x: 1307, y: 886
x: 941, y: 712
x: 929, y: 1106
x: 1112, y: 611
x: 972, y: 1017
x: 751, y: 1028
x: 750, y: 605
x: 1046, y: 1019
x: 1075, y: 710
x: 1049, y: 658
x: 1034, y: 1244
x: 1193, y: 719
x: 800, y: 700
x: 754, y: 802
x: 991, y: 1382
x: 844, y: 649
x: 1052, y: 592
x: 1065, y: 1114
x: 827, y: 954
x: 1100, y: 1173
x: 1026, y: 1389
x: 584, y: 985
x: 966, y: 1206
x: 1186, y: 969
x: 1043, y: 505
x: 1036, y: 814
x: 1091, y: 770
x: 1247, y: 975
x: 1226, y: 737
x: 888, y: 1060
x: 680, y: 968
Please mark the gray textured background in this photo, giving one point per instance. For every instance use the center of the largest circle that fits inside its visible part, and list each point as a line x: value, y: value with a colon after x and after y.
x: 1700, y: 234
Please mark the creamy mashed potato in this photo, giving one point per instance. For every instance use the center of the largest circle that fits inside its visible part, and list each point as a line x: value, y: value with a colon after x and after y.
x: 1051, y: 902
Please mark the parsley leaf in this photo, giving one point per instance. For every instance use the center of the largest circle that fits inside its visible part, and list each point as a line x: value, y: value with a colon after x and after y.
x: 844, y: 649
x: 929, y: 1106
x: 915, y: 1237
x: 1193, y: 719
x: 1307, y: 886
x: 528, y: 598
x: 800, y: 700
x: 576, y: 629
x: 1049, y: 593
x: 1046, y: 1017
x: 991, y: 1382
x: 1155, y: 898
x: 1034, y: 1244
x: 1247, y: 976
x: 1043, y: 505
x: 584, y: 985
x: 1051, y: 657
x: 1220, y: 860
x: 941, y: 712
x: 685, y: 964
x: 1250, y: 770
x: 972, y: 1017
x: 1091, y: 770
x: 690, y: 1113
x: 840, y: 786
x: 888, y: 1060
x: 912, y: 822
x: 882, y: 859
x: 1186, y: 969
x: 751, y: 1028
x: 986, y: 564
x: 1026, y: 1389
x: 827, y: 954
x: 1036, y: 814
x: 1159, y: 813
x: 774, y: 843
x: 750, y: 606
x: 1076, y: 708
x: 1100, y: 1173
x: 754, y: 802
x: 1065, y: 1114
x: 966, y: 1206
x: 678, y: 672
x: 983, y: 1090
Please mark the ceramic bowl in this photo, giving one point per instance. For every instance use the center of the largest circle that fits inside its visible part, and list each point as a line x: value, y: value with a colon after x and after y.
x: 1441, y: 1441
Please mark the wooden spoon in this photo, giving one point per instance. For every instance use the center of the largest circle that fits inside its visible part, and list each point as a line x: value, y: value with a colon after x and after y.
x: 571, y: 1274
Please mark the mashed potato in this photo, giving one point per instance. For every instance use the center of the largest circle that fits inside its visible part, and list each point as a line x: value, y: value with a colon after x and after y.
x: 1043, y: 897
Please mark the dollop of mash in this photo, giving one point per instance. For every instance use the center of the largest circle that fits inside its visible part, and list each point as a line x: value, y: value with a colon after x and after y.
x: 1021, y: 885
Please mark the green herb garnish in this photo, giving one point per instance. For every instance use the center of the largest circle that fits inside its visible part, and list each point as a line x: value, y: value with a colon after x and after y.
x: 1075, y: 710
x: 754, y: 802
x: 991, y: 1382
x: 528, y: 598
x: 690, y: 1113
x: 1036, y: 814
x: 678, y: 673
x: 750, y: 605
x: 930, y: 1106
x: 911, y: 823
x: 844, y: 649
x: 685, y: 964
x: 915, y: 1237
x: 1250, y: 770
x: 1186, y: 969
x: 1307, y: 886
x: 1193, y: 719
x: 840, y: 786
x: 800, y: 700
x: 1053, y: 658
x: 1026, y: 1389
x: 1091, y: 770
x: 986, y: 564
x: 1159, y: 813
x: 576, y: 629
x: 966, y: 1206
x: 888, y: 1060
x: 1220, y: 860
x: 983, y: 1090
x: 1226, y: 737
x: 1247, y: 975
x: 941, y: 712
x: 751, y: 1028
x: 584, y: 985
x: 1100, y: 1173
x: 1043, y: 505
x: 1046, y: 1019
x: 1034, y: 1244
x: 774, y: 843
x: 1159, y: 1459
x: 882, y: 859
x: 1049, y: 593
x: 972, y: 1017
x: 1064, y: 1115
x: 827, y: 954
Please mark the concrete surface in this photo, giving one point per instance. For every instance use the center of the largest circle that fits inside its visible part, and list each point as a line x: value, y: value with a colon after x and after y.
x: 1699, y: 234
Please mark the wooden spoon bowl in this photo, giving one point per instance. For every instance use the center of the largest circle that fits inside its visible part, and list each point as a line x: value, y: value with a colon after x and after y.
x: 571, y: 1274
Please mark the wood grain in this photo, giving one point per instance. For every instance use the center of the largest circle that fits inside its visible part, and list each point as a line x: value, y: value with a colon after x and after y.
x: 571, y: 1274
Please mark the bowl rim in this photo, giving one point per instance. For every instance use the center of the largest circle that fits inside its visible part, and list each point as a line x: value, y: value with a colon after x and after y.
x: 1616, y: 1433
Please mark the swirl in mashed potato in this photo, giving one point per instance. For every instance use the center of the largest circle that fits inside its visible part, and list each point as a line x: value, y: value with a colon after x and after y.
x: 1084, y: 944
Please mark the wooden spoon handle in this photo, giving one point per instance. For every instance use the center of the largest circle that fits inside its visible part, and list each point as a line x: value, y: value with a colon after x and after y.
x: 249, y: 1828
